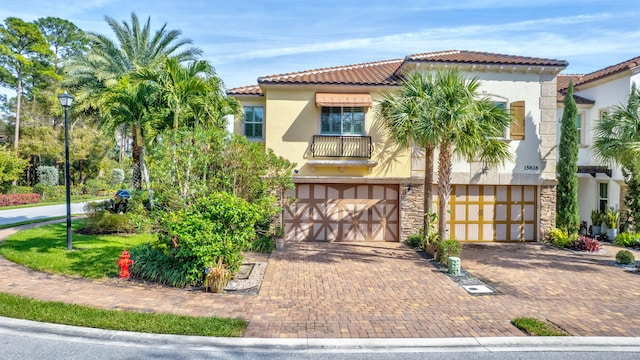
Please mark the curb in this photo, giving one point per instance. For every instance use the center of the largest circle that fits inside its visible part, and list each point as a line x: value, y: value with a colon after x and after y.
x: 318, y: 345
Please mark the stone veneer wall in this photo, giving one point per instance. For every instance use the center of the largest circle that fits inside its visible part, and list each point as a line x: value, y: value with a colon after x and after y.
x: 411, y: 205
x: 548, y: 148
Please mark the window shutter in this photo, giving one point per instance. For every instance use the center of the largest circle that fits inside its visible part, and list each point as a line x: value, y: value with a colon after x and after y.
x: 517, y: 126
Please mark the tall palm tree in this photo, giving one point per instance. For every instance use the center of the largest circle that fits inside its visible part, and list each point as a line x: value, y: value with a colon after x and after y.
x: 617, y: 139
x: 108, y: 61
x: 407, y: 118
x: 467, y: 126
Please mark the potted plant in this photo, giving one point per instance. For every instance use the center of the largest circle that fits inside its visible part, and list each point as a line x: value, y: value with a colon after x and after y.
x: 278, y: 234
x: 612, y: 220
x: 596, y: 222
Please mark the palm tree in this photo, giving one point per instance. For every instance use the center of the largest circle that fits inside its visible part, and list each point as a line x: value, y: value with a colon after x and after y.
x: 107, y: 62
x: 406, y: 116
x: 617, y: 139
x: 467, y: 126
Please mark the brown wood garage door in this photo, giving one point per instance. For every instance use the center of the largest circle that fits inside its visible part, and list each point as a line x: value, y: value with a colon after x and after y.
x: 493, y: 213
x: 343, y: 212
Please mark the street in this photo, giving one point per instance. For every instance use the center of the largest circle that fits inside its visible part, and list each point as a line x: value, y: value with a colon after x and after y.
x: 39, y: 212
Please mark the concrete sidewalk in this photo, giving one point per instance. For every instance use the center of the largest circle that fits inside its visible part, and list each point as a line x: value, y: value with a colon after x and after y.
x: 384, y: 290
x: 313, y: 345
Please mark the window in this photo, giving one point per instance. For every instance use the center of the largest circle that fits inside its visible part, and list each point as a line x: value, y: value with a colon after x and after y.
x: 342, y: 120
x: 517, y: 126
x: 253, y: 121
x: 603, y: 196
x: 603, y: 113
x: 580, y: 127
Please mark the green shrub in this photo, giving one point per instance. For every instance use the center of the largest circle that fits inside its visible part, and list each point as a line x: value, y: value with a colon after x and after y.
x: 105, y: 222
x: 151, y: 263
x: 117, y: 177
x: 48, y: 175
x: 94, y: 186
x: 263, y: 244
x: 20, y: 190
x: 415, y: 240
x: 50, y: 193
x: 626, y: 239
x: 625, y: 257
x: 448, y: 248
x: 218, y: 226
x: 560, y: 238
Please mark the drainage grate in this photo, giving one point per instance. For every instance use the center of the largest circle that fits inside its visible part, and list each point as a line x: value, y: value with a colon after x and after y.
x: 478, y: 289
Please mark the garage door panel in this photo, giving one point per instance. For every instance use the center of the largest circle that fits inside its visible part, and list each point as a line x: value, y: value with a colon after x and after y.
x: 343, y: 212
x: 493, y: 213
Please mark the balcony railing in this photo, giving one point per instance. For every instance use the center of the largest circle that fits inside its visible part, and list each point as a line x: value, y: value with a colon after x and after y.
x: 333, y: 146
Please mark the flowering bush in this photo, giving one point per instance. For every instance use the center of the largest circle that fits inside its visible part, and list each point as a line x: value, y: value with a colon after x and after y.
x: 585, y: 243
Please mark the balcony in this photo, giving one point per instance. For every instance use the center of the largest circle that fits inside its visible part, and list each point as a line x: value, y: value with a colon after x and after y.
x: 336, y: 146
x: 341, y: 151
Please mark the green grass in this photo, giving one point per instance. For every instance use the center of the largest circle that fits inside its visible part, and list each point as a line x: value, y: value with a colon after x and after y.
x: 61, y: 313
x: 536, y: 327
x: 45, y: 249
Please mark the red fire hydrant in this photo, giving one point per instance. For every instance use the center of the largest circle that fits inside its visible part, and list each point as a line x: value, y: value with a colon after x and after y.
x: 124, y: 264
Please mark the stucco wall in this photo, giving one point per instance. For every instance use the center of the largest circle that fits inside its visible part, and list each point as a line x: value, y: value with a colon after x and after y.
x: 293, y: 118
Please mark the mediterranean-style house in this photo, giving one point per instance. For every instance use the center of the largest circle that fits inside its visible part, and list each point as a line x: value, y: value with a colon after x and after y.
x: 353, y: 184
x: 600, y: 185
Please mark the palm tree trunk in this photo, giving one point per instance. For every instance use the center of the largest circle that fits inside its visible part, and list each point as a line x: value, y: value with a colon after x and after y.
x: 136, y: 150
x: 428, y: 189
x: 444, y: 187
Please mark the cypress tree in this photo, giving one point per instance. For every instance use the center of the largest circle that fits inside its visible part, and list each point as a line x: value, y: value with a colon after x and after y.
x: 567, y: 216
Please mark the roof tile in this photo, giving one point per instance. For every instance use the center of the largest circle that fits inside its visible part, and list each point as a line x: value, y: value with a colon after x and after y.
x: 476, y: 57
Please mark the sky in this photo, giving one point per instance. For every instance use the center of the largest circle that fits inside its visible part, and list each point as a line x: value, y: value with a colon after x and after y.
x: 246, y: 39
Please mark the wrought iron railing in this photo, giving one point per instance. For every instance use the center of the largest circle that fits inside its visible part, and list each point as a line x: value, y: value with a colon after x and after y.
x: 341, y: 146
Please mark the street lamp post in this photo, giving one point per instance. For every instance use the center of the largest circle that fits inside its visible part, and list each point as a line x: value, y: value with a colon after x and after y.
x: 66, y: 100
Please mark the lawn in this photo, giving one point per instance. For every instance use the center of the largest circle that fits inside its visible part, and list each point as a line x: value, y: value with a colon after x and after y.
x: 45, y: 249
x: 68, y: 314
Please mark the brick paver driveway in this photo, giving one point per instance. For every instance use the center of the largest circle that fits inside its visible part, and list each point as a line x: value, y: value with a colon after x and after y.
x: 384, y: 290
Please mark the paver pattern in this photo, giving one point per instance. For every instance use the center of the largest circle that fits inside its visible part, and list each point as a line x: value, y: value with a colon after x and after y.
x: 382, y: 290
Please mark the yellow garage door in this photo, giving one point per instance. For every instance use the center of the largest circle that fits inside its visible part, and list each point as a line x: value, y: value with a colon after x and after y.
x: 343, y: 212
x: 493, y: 213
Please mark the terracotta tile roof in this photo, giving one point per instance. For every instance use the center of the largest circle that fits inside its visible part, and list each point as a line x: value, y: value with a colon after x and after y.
x: 372, y: 73
x: 245, y: 90
x: 562, y: 84
x: 609, y: 70
x: 387, y: 72
x: 475, y: 57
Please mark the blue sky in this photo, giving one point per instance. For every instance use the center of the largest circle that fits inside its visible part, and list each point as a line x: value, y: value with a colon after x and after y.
x: 246, y: 39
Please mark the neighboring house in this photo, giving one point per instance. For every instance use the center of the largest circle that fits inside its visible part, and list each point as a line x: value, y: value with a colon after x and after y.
x: 600, y: 185
x: 353, y: 184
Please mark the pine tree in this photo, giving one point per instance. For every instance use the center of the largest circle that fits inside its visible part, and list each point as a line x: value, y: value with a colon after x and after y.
x: 567, y: 216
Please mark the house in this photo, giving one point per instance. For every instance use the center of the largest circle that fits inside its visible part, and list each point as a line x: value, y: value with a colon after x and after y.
x: 600, y: 185
x: 352, y: 184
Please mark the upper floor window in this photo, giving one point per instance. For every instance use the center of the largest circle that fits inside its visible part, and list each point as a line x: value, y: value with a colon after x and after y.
x: 253, y: 121
x: 580, y: 118
x: 516, y: 108
x: 342, y: 120
x: 603, y: 113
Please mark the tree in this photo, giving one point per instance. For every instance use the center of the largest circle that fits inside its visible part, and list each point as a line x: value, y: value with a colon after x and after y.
x: 108, y: 62
x: 467, y: 126
x: 617, y: 139
x: 407, y: 118
x: 11, y: 167
x: 567, y: 216
x: 22, y: 49
x: 65, y: 39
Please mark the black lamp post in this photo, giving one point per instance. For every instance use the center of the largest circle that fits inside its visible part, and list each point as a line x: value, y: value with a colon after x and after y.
x: 66, y: 100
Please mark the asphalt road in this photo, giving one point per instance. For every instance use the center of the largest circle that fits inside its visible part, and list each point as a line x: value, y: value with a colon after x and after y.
x: 38, y: 212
